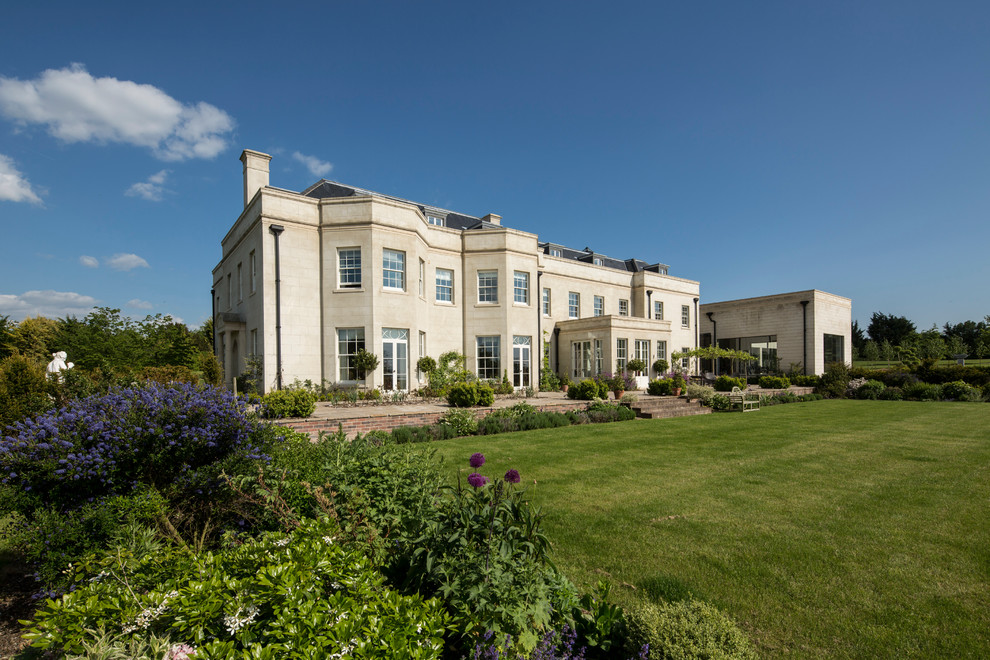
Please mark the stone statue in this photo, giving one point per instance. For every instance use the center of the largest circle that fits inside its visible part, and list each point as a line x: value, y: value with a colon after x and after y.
x: 58, y: 365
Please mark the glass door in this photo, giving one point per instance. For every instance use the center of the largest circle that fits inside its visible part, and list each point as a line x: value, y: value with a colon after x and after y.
x: 395, y: 359
x: 520, y: 361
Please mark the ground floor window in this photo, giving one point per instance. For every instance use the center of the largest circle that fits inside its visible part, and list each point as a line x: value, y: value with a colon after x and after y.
x: 685, y: 362
x: 835, y: 348
x: 349, y: 342
x: 581, y: 359
x: 762, y: 347
x: 661, y: 350
x: 598, y: 357
x: 395, y: 359
x: 489, y: 358
x: 621, y: 354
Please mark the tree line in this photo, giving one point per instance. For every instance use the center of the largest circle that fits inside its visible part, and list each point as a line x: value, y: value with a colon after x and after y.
x: 888, y: 335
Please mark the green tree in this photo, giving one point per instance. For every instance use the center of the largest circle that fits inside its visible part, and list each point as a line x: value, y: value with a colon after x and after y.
x: 895, y: 329
x: 6, y: 336
x: 35, y: 338
x: 929, y: 344
x: 858, y: 339
x: 871, y: 351
x: 968, y: 331
x: 956, y: 346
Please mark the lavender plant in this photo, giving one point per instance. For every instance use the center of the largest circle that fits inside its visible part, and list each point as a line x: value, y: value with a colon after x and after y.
x: 158, y: 435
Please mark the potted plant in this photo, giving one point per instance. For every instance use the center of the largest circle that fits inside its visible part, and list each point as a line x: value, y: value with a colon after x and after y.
x: 678, y: 383
x: 660, y: 367
x: 565, y: 383
x: 618, y: 385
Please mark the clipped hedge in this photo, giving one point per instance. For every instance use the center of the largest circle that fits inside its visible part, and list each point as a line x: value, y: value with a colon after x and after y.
x: 725, y: 383
x: 287, y: 403
x: 774, y: 382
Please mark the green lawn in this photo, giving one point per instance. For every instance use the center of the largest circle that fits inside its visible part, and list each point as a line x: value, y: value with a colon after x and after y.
x: 827, y: 529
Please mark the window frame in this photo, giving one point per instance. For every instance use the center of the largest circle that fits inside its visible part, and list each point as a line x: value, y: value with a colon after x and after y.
x: 350, y: 268
x: 344, y: 357
x: 573, y: 305
x: 520, y: 294
x: 253, y: 266
x: 444, y: 286
x: 488, y: 291
x: 623, y: 307
x: 390, y: 274
x: 685, y: 316
x: 492, y: 369
x: 599, y: 306
x: 547, y: 301
x: 657, y: 310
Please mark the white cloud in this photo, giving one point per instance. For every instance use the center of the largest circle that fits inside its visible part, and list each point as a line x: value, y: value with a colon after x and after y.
x: 13, y: 186
x: 126, y: 262
x: 139, y: 304
x: 46, y: 303
x: 76, y: 107
x: 315, y: 166
x: 89, y: 262
x: 152, y: 190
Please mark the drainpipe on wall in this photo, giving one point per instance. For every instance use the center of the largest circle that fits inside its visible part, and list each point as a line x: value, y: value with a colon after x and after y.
x: 804, y: 334
x: 213, y: 320
x: 649, y: 304
x: 696, y: 330
x: 714, y: 338
x: 539, y: 326
x: 276, y: 230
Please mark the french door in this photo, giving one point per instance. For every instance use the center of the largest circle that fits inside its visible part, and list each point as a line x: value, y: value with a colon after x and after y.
x: 395, y: 359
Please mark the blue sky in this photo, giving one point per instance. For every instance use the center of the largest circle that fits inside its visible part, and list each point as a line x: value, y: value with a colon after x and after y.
x: 756, y: 147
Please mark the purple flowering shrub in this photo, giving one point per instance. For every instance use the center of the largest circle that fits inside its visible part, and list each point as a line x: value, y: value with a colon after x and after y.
x: 153, y: 435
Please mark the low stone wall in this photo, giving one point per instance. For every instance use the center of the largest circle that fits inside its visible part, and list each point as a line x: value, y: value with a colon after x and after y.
x: 389, y: 421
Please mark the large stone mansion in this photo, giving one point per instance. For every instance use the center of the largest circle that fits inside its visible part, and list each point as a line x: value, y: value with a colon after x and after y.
x: 308, y: 278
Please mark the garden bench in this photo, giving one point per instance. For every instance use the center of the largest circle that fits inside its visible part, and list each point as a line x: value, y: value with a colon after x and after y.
x: 739, y: 400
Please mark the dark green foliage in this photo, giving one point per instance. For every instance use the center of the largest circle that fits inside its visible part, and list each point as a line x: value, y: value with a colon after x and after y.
x: 891, y: 394
x: 775, y: 382
x: 589, y: 389
x: 24, y: 389
x: 364, y: 362
x: 636, y: 365
x: 960, y: 391
x: 804, y: 381
x: 426, y: 364
x: 659, y: 387
x: 922, y: 392
x: 719, y: 403
x: 599, y: 624
x: 465, y: 395
x: 685, y: 630
x: 725, y: 383
x: 978, y: 376
x: 484, y: 554
x: 267, y: 598
x: 834, y: 381
x: 493, y: 425
x: 461, y: 421
x: 660, y: 366
x: 871, y: 389
x: 287, y: 403
x: 895, y: 329
x: 168, y: 374
x: 211, y: 368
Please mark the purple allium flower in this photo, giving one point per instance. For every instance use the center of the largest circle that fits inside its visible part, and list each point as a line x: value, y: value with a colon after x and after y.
x: 512, y: 476
x: 477, y: 460
x: 477, y: 480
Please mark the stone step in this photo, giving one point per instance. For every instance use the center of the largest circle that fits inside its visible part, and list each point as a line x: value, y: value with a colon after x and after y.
x: 663, y: 408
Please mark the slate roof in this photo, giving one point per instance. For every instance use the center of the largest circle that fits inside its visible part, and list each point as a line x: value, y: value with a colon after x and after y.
x: 324, y: 189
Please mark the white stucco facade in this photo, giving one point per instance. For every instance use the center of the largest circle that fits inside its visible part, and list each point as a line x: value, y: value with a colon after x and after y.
x: 362, y: 269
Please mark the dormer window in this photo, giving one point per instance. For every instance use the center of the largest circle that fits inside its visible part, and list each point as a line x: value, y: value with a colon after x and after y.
x: 598, y: 262
x: 554, y: 252
x: 434, y: 220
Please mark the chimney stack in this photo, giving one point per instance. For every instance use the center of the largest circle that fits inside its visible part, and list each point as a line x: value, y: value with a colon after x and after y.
x: 493, y: 218
x: 255, y: 173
